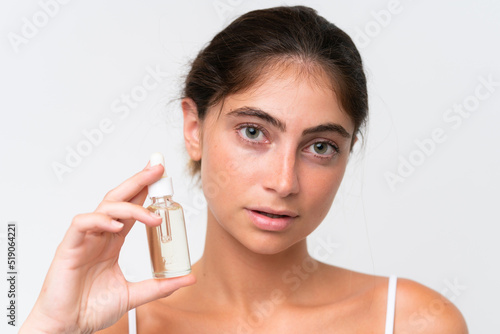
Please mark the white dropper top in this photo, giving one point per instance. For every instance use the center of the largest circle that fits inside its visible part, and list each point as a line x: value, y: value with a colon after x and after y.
x: 162, y: 187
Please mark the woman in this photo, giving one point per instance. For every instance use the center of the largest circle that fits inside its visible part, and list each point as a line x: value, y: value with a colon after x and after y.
x: 272, y: 108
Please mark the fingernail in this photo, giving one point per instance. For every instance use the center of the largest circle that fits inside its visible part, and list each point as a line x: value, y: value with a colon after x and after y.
x: 150, y: 167
x: 154, y: 215
x: 117, y: 223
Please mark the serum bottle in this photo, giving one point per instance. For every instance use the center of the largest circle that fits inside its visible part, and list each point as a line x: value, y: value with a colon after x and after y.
x: 168, y: 245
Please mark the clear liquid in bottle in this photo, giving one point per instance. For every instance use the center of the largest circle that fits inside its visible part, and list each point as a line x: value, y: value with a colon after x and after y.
x: 168, y: 247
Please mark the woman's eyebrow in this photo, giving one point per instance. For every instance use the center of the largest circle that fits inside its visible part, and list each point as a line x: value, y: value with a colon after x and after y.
x: 328, y: 127
x: 256, y: 112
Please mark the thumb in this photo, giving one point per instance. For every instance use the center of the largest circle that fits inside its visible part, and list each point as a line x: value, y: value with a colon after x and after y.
x: 151, y: 289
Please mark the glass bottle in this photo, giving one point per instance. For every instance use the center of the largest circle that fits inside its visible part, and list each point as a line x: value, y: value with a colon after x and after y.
x: 168, y: 246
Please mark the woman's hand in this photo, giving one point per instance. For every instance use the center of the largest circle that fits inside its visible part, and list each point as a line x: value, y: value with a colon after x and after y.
x: 85, y: 290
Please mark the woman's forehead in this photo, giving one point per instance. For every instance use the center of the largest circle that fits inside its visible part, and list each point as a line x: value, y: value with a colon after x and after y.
x: 289, y: 95
x: 291, y: 71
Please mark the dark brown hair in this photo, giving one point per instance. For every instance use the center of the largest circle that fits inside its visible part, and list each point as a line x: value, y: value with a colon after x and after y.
x: 258, y: 40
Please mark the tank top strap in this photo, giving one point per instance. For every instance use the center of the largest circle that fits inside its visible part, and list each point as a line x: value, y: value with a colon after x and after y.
x: 391, y: 305
x: 132, y: 322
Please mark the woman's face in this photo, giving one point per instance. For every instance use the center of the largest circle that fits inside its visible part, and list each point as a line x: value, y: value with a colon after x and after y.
x: 280, y: 147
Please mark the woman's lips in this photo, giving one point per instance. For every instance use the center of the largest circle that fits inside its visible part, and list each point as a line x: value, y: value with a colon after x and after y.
x: 264, y: 222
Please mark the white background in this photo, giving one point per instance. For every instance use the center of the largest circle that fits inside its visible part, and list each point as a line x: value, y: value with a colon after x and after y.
x: 438, y: 226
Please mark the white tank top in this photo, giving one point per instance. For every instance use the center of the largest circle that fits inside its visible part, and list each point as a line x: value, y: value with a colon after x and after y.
x: 389, y: 317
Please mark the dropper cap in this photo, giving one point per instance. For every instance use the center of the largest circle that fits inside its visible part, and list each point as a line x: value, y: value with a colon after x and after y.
x: 162, y: 187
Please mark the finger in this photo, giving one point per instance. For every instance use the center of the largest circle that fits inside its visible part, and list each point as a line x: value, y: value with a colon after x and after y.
x: 90, y: 222
x: 149, y: 290
x: 140, y: 198
x: 129, y: 212
x: 134, y: 185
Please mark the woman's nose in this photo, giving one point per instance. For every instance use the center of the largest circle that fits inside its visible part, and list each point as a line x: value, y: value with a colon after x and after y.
x: 282, y: 174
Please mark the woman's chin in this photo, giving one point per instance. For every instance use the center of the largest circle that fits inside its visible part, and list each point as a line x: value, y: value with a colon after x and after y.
x: 266, y: 243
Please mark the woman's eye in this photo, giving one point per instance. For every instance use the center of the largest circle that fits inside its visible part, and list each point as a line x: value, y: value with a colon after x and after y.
x: 323, y: 149
x: 251, y: 132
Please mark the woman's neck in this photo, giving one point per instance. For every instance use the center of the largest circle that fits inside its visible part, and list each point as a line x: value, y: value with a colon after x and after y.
x: 234, y: 275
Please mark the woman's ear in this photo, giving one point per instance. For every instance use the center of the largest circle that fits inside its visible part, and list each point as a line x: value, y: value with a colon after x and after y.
x: 192, y: 128
x: 354, y: 140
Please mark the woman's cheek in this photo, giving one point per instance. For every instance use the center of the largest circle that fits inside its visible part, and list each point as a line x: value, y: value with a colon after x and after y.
x: 320, y: 193
x: 212, y: 175
x: 223, y: 170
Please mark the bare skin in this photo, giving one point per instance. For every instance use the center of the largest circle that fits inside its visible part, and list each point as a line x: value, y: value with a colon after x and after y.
x: 361, y: 309
x: 254, y: 280
x: 281, y: 145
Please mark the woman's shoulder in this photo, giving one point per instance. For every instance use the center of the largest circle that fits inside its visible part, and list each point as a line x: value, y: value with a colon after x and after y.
x: 420, y: 309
